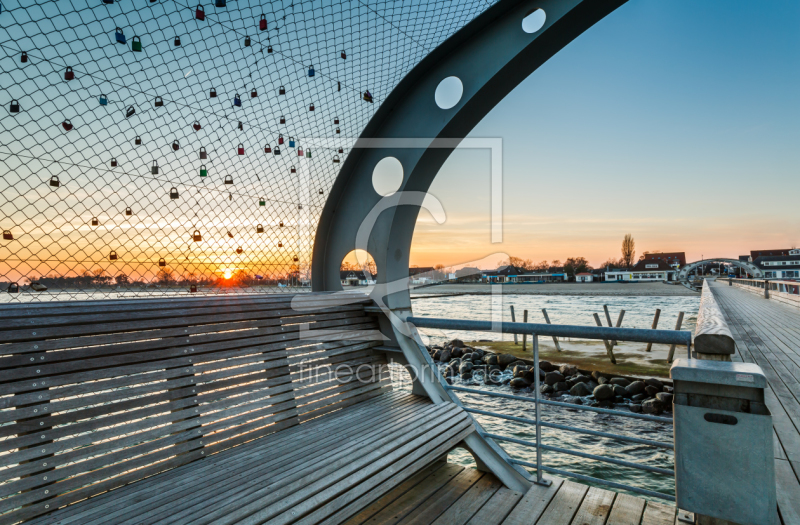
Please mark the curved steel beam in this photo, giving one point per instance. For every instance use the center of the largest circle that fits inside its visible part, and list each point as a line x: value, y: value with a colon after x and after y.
x: 491, y: 55
x: 683, y: 273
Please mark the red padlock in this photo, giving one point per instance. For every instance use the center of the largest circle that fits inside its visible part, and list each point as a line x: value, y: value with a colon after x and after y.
x: 267, y: 149
x: 196, y: 126
x: 253, y: 94
x: 69, y: 74
x: 241, y: 149
x: 175, y: 145
x: 283, y: 120
x: 280, y: 139
x: 262, y: 24
x: 311, y: 107
x: 294, y: 170
x: 67, y: 125
x: 200, y: 13
x: 113, y: 163
x: 300, y: 151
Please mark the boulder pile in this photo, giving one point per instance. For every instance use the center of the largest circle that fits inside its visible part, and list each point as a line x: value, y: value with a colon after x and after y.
x: 598, y: 389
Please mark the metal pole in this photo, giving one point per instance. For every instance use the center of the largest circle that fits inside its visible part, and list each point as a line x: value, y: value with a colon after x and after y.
x: 539, y: 478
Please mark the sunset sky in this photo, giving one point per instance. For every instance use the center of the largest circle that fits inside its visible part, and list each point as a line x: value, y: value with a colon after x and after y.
x: 677, y: 122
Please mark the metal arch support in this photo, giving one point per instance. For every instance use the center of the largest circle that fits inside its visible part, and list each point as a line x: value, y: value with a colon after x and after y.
x: 683, y: 273
x: 491, y: 55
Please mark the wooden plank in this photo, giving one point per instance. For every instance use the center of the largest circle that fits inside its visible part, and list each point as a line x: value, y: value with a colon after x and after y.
x: 533, y: 504
x: 372, y: 465
x: 470, y: 503
x: 392, y: 496
x: 223, y: 482
x: 564, y: 505
x: 355, y: 498
x: 658, y: 514
x: 788, y: 492
x: 712, y: 335
x: 595, y: 508
x: 442, y: 499
x: 497, y: 508
x: 272, y: 499
x: 413, y: 497
x: 627, y: 510
x: 165, y: 484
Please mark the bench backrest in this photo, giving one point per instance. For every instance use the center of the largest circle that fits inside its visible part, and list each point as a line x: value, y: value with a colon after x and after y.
x: 95, y: 395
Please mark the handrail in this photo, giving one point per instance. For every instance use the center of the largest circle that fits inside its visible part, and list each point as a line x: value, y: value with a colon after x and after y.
x: 677, y: 337
x: 585, y: 332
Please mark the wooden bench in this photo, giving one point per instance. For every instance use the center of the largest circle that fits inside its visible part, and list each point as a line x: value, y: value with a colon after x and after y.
x: 204, y: 410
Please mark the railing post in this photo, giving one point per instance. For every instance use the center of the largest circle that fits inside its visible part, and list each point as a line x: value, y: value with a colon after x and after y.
x: 539, y: 478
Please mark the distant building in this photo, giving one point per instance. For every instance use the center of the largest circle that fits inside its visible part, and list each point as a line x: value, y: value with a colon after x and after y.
x: 540, y: 277
x: 755, y: 254
x: 503, y: 274
x: 355, y: 278
x: 467, y: 274
x: 584, y: 277
x: 780, y: 266
x: 421, y: 275
x: 676, y: 260
x: 645, y: 270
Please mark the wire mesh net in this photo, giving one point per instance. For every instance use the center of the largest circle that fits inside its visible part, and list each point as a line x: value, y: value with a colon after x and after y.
x: 163, y: 147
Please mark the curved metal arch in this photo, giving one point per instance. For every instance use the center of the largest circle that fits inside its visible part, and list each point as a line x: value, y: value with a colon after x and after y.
x: 491, y: 55
x: 752, y: 269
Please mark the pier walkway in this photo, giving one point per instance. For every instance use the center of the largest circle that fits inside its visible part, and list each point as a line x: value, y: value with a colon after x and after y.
x: 449, y: 494
x: 767, y: 333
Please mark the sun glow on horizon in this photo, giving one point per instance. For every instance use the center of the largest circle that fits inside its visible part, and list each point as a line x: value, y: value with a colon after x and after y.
x: 227, y: 273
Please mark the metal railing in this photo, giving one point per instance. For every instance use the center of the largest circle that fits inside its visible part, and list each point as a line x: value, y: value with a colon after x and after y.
x: 669, y: 337
x: 789, y: 287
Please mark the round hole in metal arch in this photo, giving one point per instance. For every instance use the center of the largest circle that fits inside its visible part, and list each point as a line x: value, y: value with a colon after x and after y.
x: 449, y: 92
x: 534, y: 21
x: 387, y: 177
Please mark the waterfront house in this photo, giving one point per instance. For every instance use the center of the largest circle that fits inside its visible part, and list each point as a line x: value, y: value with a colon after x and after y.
x: 422, y: 274
x: 355, y: 278
x: 503, y: 274
x: 584, y: 277
x: 676, y: 260
x: 780, y: 266
x: 645, y: 270
x: 468, y: 274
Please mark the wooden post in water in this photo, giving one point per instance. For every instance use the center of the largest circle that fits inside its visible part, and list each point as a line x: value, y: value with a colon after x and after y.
x: 514, y: 320
x: 672, y: 347
x: 655, y: 324
x: 608, y: 320
x: 524, y: 336
x: 547, y: 320
x: 609, y: 348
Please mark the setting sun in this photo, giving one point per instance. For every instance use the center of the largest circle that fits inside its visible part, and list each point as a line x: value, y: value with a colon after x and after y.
x: 227, y: 273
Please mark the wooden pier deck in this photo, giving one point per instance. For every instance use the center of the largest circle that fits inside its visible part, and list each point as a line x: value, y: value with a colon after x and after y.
x: 767, y: 333
x: 449, y: 494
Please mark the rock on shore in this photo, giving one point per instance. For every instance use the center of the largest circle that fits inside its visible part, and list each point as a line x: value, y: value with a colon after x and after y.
x: 649, y: 395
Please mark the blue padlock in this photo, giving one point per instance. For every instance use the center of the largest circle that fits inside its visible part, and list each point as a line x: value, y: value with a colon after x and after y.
x: 103, y: 100
x: 120, y: 36
x: 310, y: 71
x: 236, y: 100
x: 291, y: 142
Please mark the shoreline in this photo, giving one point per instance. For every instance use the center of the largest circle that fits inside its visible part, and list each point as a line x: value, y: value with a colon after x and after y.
x: 648, y: 289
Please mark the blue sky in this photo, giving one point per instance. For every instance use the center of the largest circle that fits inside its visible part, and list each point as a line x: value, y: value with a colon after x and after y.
x: 678, y: 122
